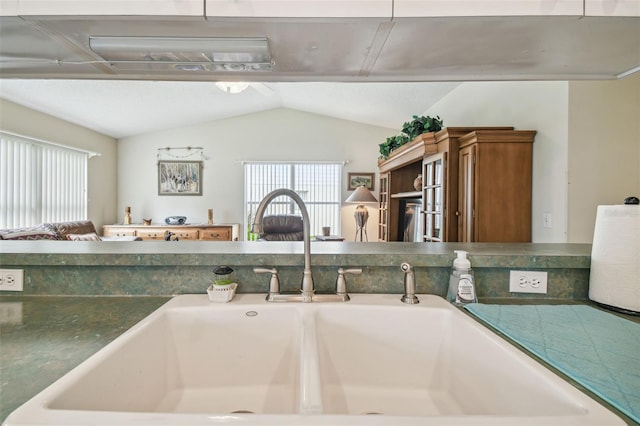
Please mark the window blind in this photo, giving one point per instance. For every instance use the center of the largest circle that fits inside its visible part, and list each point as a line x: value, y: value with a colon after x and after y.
x: 40, y: 182
x: 318, y: 184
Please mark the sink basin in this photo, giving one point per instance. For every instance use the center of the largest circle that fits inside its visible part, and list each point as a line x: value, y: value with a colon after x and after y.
x: 197, y: 360
x: 372, y: 360
x: 425, y: 362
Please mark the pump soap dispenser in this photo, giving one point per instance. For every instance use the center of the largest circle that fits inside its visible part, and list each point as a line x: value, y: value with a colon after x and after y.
x: 461, y: 283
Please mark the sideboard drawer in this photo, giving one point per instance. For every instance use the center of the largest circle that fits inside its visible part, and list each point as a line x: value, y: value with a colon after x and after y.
x: 150, y: 234
x: 185, y: 234
x: 118, y: 232
x: 216, y: 234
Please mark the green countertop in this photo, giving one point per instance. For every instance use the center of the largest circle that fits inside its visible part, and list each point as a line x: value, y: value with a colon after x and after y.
x: 44, y: 337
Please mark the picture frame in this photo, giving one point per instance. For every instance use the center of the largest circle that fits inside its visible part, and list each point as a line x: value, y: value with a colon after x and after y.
x: 179, y: 177
x: 355, y: 180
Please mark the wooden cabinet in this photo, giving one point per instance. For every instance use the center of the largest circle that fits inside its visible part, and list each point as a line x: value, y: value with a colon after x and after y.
x: 221, y: 232
x: 440, y: 180
x: 495, y: 179
x: 428, y: 150
x: 400, y: 170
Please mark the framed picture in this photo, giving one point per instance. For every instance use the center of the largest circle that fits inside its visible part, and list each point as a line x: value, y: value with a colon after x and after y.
x: 359, y: 179
x: 179, y: 177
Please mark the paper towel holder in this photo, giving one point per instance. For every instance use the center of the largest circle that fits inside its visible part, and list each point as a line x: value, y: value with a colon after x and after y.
x: 632, y: 200
x: 615, y: 257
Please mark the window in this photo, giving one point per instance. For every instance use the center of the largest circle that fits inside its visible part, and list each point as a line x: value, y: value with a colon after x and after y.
x: 318, y: 184
x: 40, y: 182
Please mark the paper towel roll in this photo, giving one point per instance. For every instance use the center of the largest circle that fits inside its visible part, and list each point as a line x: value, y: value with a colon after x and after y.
x: 615, y: 257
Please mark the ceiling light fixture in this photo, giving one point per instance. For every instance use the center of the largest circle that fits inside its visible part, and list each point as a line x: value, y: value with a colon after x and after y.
x: 232, y: 86
x: 213, y: 53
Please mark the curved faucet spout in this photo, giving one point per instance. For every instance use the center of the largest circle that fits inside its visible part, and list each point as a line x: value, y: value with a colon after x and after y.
x: 307, y: 279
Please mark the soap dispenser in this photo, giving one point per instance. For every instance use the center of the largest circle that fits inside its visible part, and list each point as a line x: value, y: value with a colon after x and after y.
x: 461, y: 283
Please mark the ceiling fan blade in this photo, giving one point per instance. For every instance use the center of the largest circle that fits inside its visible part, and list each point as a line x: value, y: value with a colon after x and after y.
x: 263, y: 89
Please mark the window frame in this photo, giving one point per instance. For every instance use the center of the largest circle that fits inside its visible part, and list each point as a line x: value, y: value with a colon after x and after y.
x: 288, y: 206
x: 43, y: 182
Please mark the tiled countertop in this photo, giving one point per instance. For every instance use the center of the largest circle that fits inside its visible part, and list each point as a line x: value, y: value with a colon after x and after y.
x: 44, y: 337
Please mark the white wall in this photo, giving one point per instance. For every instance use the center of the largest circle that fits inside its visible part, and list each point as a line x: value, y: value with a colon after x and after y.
x: 540, y: 106
x: 604, y: 149
x: 278, y: 135
x: 102, y: 170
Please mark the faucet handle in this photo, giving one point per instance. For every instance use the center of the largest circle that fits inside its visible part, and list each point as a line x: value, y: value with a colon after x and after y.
x: 341, y: 283
x: 409, y: 295
x: 274, y: 282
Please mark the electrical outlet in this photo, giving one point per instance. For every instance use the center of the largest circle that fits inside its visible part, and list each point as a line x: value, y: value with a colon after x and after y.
x: 11, y: 279
x: 528, y: 282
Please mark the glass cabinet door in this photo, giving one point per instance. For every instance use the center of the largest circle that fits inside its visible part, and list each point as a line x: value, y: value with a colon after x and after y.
x: 433, y: 196
x: 383, y: 208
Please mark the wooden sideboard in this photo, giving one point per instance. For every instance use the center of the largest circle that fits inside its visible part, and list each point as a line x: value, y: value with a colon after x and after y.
x: 195, y: 232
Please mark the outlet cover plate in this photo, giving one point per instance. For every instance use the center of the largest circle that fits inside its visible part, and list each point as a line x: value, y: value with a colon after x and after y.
x: 528, y: 282
x: 11, y: 279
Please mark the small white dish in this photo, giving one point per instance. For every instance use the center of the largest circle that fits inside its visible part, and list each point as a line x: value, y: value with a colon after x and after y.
x: 222, y: 293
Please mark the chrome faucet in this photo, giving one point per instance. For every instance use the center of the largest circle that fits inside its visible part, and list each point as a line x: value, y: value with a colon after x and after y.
x: 307, y: 288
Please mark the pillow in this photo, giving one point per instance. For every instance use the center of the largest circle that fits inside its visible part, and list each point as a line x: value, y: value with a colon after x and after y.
x: 91, y: 236
x: 44, y: 231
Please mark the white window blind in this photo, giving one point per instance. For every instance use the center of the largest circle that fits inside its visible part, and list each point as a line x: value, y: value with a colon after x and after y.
x: 40, y: 182
x: 318, y: 184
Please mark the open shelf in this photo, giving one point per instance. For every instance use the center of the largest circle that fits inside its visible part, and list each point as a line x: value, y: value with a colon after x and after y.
x: 411, y: 194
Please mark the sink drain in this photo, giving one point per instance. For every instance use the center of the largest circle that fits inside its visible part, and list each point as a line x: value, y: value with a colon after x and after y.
x: 242, y: 412
x: 372, y: 414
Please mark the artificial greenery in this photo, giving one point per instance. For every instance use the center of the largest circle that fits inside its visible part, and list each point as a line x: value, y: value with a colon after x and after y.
x: 410, y: 129
x: 392, y: 143
x: 420, y: 125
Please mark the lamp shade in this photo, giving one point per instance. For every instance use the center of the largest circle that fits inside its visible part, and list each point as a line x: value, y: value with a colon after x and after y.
x: 361, y: 195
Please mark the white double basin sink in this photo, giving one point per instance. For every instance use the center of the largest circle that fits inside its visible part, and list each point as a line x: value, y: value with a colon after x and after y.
x: 373, y: 361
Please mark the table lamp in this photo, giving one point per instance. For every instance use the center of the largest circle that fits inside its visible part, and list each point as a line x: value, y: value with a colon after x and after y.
x: 361, y: 195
